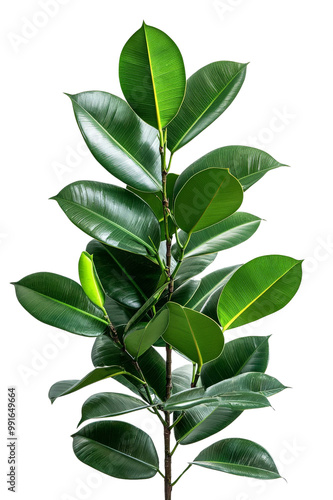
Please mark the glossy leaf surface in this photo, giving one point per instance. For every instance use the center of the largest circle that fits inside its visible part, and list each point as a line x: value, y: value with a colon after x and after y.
x: 152, y: 75
x: 128, y: 281
x: 60, y: 302
x: 111, y: 214
x: 187, y: 399
x: 228, y: 233
x: 104, y: 121
x: 246, y: 354
x: 193, y: 334
x: 68, y: 386
x: 247, y: 164
x: 240, y: 457
x: 139, y: 340
x: 209, y: 92
x: 206, y: 198
x: 90, y: 281
x: 110, y: 404
x: 268, y: 283
x: 116, y: 448
x: 251, y: 382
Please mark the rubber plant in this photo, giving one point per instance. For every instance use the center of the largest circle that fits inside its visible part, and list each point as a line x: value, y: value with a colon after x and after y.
x: 139, y: 295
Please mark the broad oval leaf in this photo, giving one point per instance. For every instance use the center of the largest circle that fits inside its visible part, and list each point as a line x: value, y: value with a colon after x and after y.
x: 267, y: 283
x: 60, y: 302
x: 247, y: 164
x: 187, y: 399
x: 110, y: 404
x: 116, y: 448
x: 209, y: 92
x: 68, y: 386
x: 243, y: 401
x: 104, y: 121
x: 112, y: 215
x: 247, y: 382
x: 105, y: 353
x: 228, y: 233
x: 192, y: 266
x: 152, y: 75
x: 90, y: 281
x: 246, y: 354
x: 240, y: 457
x: 193, y: 334
x: 139, y: 340
x: 206, y: 198
x: 128, y: 281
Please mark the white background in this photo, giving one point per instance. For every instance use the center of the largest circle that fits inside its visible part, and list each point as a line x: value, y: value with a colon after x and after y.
x: 76, y: 48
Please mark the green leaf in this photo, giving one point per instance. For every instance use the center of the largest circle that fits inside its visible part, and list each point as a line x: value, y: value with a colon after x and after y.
x: 119, y: 314
x: 90, y: 281
x: 60, y: 302
x: 146, y: 307
x: 268, y: 283
x: 206, y: 198
x: 116, y: 448
x: 112, y: 215
x: 139, y: 340
x: 128, y: 281
x: 152, y: 76
x: 193, y: 334
x: 193, y: 266
x: 202, y: 421
x: 68, y: 386
x: 208, y: 285
x: 247, y: 382
x: 240, y: 457
x: 185, y: 292
x: 104, y: 121
x: 109, y: 404
x: 209, y: 92
x: 243, y: 401
x: 246, y: 354
x: 187, y: 399
x: 228, y: 233
x: 106, y: 353
x: 247, y: 164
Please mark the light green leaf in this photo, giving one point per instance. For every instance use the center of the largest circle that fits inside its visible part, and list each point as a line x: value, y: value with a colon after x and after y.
x: 112, y: 215
x: 110, y: 404
x: 206, y: 198
x: 68, y: 386
x: 139, y: 340
x: 240, y: 457
x: 209, y: 92
x: 228, y: 233
x: 90, y: 281
x: 193, y: 334
x: 268, y: 283
x: 152, y: 75
x: 246, y: 354
x: 60, y: 302
x: 116, y: 448
x: 104, y: 121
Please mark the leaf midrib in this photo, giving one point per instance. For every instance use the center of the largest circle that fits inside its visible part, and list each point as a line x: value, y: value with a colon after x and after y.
x: 238, y: 465
x: 158, y: 118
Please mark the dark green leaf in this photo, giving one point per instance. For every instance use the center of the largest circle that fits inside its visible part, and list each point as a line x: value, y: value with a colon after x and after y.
x: 206, y: 198
x: 228, y: 233
x: 146, y: 307
x: 184, y: 293
x: 60, y: 302
x: 247, y: 164
x: 247, y: 382
x: 111, y: 214
x: 247, y: 354
x: 110, y: 404
x: 243, y: 400
x: 209, y: 92
x: 152, y: 75
x: 192, y: 267
x: 128, y: 281
x: 140, y: 339
x: 68, y: 386
x: 181, y: 378
x: 105, y: 121
x: 193, y: 334
x: 268, y: 283
x: 187, y: 399
x: 240, y: 457
x: 116, y: 448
